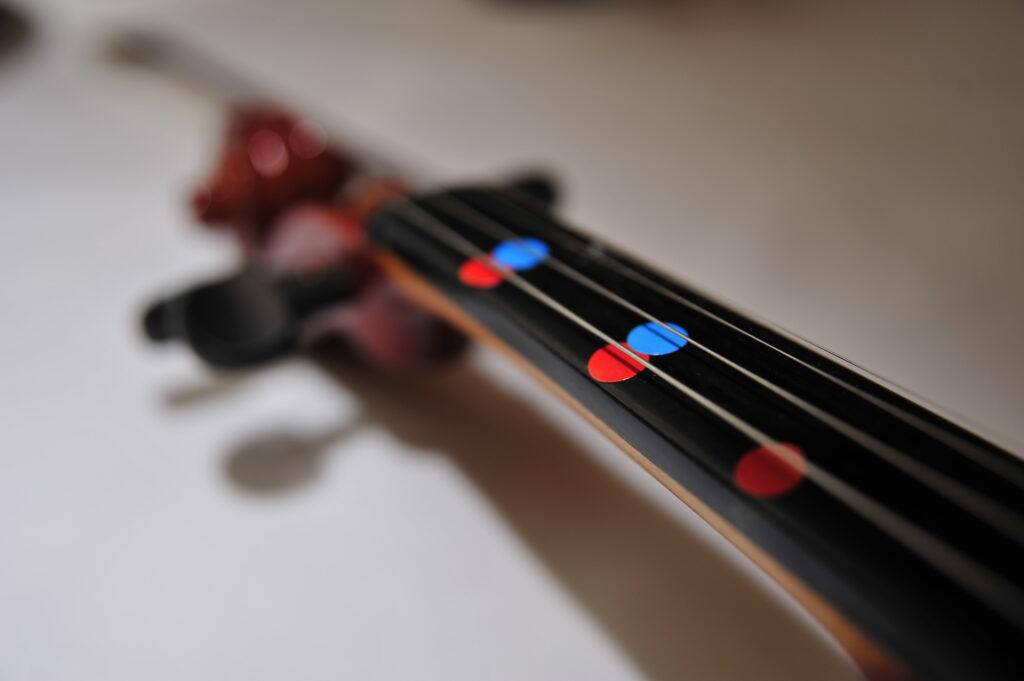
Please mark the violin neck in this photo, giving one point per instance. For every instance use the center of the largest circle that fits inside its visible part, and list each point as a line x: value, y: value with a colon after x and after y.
x: 901, y: 531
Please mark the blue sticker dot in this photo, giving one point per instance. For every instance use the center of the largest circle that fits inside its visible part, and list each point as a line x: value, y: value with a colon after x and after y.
x: 520, y: 254
x: 654, y: 339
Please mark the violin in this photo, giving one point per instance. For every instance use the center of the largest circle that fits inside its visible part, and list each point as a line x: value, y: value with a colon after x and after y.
x: 901, y: 531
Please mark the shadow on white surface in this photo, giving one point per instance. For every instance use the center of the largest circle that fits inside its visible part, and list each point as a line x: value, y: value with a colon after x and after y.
x: 673, y: 606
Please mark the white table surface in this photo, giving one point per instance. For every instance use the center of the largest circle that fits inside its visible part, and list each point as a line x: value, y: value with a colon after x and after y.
x: 851, y: 170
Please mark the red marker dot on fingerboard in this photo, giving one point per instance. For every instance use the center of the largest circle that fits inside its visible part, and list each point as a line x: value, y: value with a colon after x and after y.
x: 765, y: 473
x: 611, y: 365
x: 481, y: 272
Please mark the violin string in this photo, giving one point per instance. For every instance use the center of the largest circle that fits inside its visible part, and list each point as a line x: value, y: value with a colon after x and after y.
x: 979, y: 455
x: 1004, y: 520
x: 996, y: 592
x: 1009, y: 445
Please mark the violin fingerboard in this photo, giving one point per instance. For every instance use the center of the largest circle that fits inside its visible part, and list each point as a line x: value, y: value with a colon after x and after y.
x: 902, y: 521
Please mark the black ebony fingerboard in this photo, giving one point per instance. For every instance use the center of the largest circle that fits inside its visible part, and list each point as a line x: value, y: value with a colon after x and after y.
x: 905, y: 522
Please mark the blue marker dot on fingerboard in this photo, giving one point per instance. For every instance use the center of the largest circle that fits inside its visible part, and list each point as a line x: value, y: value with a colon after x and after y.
x: 654, y: 339
x: 520, y: 254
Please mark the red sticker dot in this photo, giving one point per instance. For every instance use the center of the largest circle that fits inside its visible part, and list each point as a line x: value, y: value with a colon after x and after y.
x: 610, y: 364
x: 480, y: 272
x: 767, y: 472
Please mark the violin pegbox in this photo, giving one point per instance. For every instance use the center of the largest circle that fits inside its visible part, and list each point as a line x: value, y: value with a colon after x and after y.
x: 297, y: 207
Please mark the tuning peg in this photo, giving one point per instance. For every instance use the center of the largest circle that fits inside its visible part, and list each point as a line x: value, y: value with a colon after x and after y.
x: 247, y: 319
x: 538, y: 186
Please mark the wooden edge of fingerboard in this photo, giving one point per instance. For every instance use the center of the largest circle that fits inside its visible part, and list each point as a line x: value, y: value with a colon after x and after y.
x: 874, y: 662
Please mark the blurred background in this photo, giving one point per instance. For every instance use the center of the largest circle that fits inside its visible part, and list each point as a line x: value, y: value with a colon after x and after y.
x: 852, y: 171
